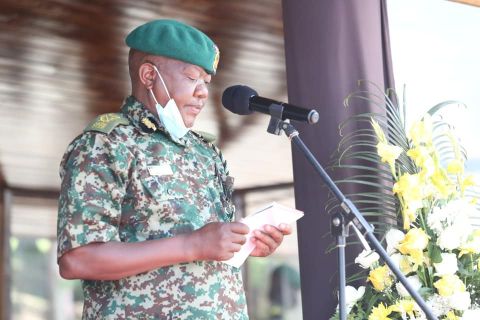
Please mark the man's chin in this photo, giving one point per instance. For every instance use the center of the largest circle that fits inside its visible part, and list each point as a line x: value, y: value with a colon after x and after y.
x: 189, y: 125
x: 189, y: 122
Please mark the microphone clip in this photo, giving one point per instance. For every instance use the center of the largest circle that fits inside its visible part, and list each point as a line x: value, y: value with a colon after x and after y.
x: 275, y: 125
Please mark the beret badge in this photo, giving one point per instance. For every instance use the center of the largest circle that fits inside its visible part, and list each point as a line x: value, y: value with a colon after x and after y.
x: 216, y: 59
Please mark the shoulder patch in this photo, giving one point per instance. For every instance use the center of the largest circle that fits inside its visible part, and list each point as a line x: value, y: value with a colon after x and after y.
x: 208, y: 137
x: 105, y: 123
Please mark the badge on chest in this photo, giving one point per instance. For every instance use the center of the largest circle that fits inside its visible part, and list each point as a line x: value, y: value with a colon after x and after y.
x: 162, y: 169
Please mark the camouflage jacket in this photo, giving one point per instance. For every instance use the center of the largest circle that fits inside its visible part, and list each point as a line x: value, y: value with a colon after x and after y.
x: 131, y: 182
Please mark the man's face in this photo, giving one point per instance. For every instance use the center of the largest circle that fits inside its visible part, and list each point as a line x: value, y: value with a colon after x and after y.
x: 187, y: 85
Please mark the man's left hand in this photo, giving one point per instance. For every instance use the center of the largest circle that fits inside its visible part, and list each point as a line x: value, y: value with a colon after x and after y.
x: 269, y: 239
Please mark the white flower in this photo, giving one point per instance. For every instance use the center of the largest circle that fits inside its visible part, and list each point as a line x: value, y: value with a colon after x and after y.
x: 352, y: 295
x: 414, y: 281
x: 367, y: 258
x: 460, y: 300
x: 448, y: 265
x: 393, y: 237
x: 438, y: 304
x: 438, y: 219
x: 451, y: 238
x: 419, y: 314
x: 455, y: 213
x: 471, y: 314
x: 396, y: 259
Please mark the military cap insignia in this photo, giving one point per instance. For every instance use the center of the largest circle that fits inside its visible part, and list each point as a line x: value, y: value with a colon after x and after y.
x: 105, y: 123
x: 216, y: 59
x: 148, y: 125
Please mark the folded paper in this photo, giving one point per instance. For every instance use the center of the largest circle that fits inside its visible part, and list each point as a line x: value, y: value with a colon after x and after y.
x: 273, y: 214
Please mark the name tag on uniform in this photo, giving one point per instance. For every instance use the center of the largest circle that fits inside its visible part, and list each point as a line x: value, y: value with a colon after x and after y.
x: 163, y: 169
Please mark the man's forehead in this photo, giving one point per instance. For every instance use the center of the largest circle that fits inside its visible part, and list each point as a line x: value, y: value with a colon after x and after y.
x: 192, y: 67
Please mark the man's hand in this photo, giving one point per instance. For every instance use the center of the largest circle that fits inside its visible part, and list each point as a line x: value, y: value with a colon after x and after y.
x: 217, y: 241
x: 269, y: 239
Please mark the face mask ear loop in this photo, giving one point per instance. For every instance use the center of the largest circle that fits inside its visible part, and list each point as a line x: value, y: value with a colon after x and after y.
x: 163, y: 82
x: 153, y: 96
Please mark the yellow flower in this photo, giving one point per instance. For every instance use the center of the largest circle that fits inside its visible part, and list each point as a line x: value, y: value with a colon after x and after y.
x: 442, y: 184
x: 409, y: 213
x: 467, y: 182
x: 415, y: 241
x: 380, y: 312
x: 417, y: 256
x: 380, y: 278
x: 422, y: 158
x: 389, y: 153
x: 455, y: 167
x: 421, y: 132
x: 406, y: 266
x: 408, y: 187
x: 449, y: 284
x: 404, y: 307
x: 451, y: 316
x: 411, y: 191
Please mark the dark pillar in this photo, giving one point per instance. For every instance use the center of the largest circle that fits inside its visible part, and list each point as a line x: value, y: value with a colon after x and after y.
x: 329, y: 45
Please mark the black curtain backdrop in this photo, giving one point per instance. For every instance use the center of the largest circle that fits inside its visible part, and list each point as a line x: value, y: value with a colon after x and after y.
x: 329, y: 45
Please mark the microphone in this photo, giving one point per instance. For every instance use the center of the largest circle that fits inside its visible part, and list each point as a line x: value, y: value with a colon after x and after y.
x: 244, y: 100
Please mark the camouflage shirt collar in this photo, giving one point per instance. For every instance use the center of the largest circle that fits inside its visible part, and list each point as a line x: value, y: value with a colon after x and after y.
x: 136, y: 112
x: 142, y: 118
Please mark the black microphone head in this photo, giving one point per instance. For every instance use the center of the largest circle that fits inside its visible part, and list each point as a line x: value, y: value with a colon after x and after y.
x: 237, y: 99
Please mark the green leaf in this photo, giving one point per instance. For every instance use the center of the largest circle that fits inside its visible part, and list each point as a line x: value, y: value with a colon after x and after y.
x: 435, y: 253
x: 435, y: 109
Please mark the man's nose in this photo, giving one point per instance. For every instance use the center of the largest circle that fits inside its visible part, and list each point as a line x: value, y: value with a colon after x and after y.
x: 201, y: 91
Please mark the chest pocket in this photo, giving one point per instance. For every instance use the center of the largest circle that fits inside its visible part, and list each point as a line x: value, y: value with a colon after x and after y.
x: 165, y: 201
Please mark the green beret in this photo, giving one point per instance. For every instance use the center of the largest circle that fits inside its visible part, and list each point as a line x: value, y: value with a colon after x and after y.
x: 176, y: 40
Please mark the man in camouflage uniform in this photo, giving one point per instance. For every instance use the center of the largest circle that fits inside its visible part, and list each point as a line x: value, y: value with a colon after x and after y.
x: 145, y: 211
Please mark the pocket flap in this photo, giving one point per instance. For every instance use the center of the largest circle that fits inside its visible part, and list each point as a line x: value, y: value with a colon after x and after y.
x: 162, y: 188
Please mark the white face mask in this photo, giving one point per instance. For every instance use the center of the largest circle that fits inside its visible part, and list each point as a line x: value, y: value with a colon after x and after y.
x: 170, y: 115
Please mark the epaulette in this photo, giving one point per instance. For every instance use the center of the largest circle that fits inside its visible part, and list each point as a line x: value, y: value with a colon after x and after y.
x: 205, y: 136
x: 105, y: 123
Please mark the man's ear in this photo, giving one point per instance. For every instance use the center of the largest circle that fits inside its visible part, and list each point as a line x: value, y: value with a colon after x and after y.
x: 146, y: 74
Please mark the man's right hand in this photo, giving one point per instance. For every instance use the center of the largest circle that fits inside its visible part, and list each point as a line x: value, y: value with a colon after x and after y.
x: 217, y: 241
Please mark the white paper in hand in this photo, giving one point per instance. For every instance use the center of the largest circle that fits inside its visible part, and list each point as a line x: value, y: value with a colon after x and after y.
x: 273, y: 214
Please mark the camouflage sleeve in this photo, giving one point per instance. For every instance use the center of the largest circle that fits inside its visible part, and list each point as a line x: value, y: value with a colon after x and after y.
x: 94, y: 174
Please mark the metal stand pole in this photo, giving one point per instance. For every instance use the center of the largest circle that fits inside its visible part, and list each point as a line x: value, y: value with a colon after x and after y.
x: 339, y: 229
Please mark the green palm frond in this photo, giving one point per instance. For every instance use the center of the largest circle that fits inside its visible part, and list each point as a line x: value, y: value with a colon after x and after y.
x: 358, y: 164
x: 357, y: 160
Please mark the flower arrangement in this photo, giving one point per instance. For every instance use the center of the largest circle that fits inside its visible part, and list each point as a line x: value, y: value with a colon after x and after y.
x: 432, y: 241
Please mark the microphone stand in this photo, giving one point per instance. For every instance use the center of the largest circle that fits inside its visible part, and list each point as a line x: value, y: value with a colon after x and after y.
x: 349, y: 215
